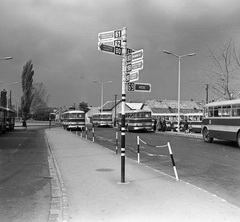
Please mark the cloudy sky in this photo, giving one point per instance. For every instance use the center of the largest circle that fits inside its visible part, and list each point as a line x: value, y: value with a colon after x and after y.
x: 61, y: 38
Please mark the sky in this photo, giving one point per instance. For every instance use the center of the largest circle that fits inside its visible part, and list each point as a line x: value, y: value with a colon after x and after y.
x: 61, y: 39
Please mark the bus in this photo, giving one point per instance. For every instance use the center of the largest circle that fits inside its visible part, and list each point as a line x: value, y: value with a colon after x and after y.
x: 136, y: 120
x: 102, y: 119
x: 171, y: 120
x: 195, y: 119
x: 52, y: 116
x: 73, y: 119
x: 222, y: 121
x: 7, y: 119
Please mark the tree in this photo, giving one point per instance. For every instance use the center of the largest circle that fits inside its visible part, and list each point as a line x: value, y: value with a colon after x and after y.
x: 27, y: 80
x: 40, y: 97
x: 84, y: 107
x: 222, y: 76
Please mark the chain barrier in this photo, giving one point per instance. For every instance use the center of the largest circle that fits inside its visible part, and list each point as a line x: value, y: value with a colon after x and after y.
x: 162, y: 146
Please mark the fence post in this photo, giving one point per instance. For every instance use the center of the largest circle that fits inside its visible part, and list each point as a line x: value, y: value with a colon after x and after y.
x: 173, y: 163
x: 138, y: 149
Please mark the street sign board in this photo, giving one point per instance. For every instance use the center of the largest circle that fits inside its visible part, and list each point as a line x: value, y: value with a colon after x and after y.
x: 138, y: 65
x: 132, y: 76
x: 134, y: 56
x: 117, y: 43
x: 110, y: 49
x: 139, y: 87
x: 142, y: 87
x: 110, y: 35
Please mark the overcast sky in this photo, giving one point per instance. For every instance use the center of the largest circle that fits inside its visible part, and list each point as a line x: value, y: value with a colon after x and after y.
x: 61, y: 39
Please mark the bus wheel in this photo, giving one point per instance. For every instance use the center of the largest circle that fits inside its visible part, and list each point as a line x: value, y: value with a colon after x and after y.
x: 206, y: 137
x: 238, y: 139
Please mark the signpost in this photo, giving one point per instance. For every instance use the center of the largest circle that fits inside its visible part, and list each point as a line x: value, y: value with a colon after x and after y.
x: 115, y: 42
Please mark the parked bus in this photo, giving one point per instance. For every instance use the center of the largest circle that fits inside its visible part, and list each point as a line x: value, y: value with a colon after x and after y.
x: 136, y: 120
x: 195, y: 119
x: 73, y: 119
x: 52, y: 116
x: 222, y: 121
x: 171, y: 120
x: 102, y: 119
x: 7, y: 119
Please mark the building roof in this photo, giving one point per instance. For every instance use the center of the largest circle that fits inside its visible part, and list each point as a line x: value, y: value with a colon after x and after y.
x: 109, y: 105
x: 171, y: 106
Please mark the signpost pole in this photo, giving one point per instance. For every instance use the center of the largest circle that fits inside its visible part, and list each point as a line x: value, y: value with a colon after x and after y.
x: 124, y: 53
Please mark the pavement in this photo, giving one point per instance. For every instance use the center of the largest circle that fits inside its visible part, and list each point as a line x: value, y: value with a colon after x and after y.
x: 86, y: 186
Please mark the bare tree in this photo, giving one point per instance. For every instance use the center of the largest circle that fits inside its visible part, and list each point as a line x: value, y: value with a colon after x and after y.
x: 223, y: 75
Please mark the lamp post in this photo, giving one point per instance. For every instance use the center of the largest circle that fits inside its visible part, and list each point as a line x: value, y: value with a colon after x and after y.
x: 102, y: 83
x: 8, y: 84
x: 6, y: 58
x: 179, y: 78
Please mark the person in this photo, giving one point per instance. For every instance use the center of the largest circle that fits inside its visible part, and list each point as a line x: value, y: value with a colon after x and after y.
x: 24, y: 124
x: 164, y: 125
x: 190, y: 127
x: 154, y: 125
x: 186, y: 126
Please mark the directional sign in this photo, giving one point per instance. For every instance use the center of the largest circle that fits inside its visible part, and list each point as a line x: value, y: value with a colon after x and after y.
x: 142, y: 87
x: 110, y: 49
x: 134, y: 56
x: 138, y: 65
x: 132, y: 76
x: 139, y: 87
x: 117, y: 43
x: 110, y: 35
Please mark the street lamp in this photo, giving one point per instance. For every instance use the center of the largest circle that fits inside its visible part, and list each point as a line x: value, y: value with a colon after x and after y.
x: 8, y: 84
x: 179, y: 75
x: 6, y: 58
x: 102, y: 83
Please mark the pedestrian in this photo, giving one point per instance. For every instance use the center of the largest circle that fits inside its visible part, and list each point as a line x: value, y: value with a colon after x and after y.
x: 24, y: 124
x: 154, y: 125
x: 186, y: 126
x: 164, y: 125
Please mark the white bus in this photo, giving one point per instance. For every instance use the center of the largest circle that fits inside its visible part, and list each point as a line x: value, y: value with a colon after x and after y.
x: 102, y: 119
x: 222, y: 121
x: 136, y: 120
x: 195, y: 119
x: 73, y: 119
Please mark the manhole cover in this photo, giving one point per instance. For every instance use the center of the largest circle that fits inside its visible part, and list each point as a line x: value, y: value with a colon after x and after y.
x: 104, y: 170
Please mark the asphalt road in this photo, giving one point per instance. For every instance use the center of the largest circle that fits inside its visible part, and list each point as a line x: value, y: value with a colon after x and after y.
x: 24, y: 175
x: 213, y: 167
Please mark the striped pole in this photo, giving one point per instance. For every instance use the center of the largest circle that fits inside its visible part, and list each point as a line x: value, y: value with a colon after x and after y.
x: 116, y: 142
x: 173, y: 163
x: 124, y: 69
x: 93, y: 139
x: 81, y: 131
x: 86, y: 133
x: 138, y: 149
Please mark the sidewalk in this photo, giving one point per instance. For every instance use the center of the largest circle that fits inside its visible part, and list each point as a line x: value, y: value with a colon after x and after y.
x: 91, y: 191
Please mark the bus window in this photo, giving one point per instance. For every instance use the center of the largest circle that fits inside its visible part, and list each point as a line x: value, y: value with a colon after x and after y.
x: 236, y: 110
x: 217, y: 111
x: 226, y: 110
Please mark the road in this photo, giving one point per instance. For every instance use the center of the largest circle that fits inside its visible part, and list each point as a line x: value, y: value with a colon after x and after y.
x: 213, y: 167
x: 24, y: 175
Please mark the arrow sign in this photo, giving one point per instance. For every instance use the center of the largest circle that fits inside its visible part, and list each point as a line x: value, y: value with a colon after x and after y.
x: 134, y: 66
x: 133, y: 76
x: 134, y: 56
x: 142, y: 87
x: 110, y: 35
x: 110, y: 49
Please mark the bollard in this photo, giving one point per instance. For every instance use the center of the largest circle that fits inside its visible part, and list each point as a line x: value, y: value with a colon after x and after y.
x: 116, y: 142
x: 138, y: 149
x: 93, y: 139
x: 173, y: 163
